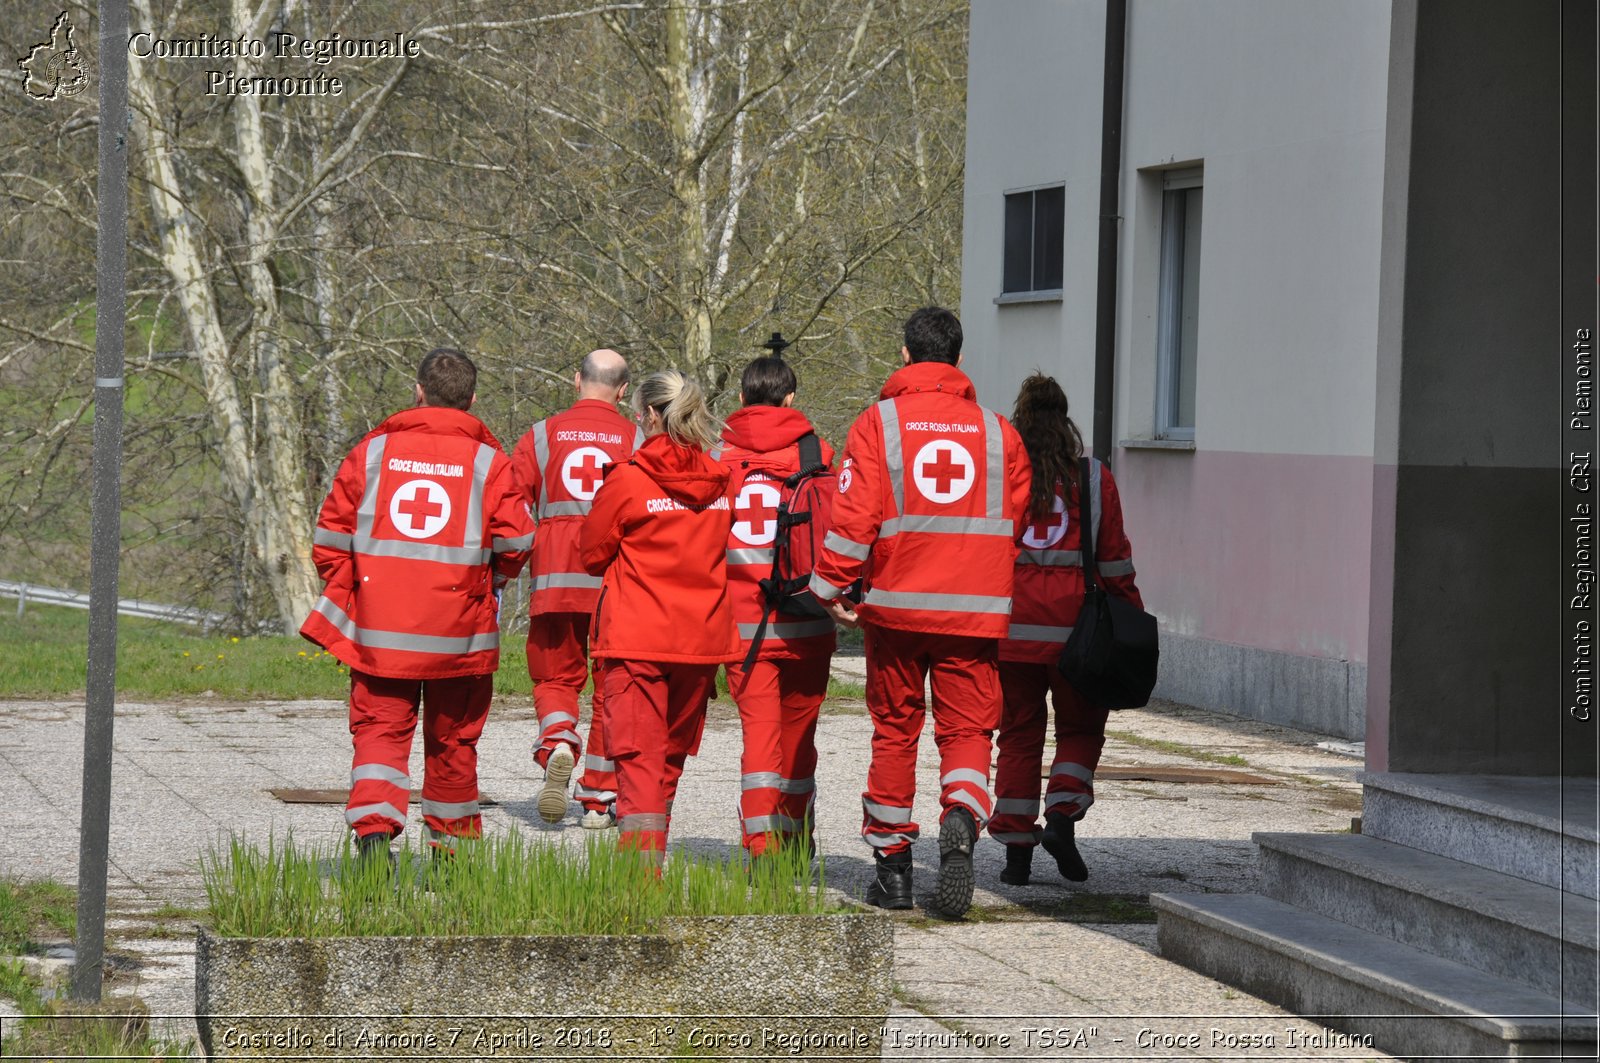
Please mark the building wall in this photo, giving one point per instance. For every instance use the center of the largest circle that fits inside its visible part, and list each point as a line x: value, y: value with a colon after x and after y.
x: 1253, y: 547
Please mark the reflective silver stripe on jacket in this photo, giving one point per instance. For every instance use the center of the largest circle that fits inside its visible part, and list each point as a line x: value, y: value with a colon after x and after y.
x: 449, y: 809
x: 847, y: 547
x: 925, y: 522
x: 750, y: 555
x: 791, y: 629
x: 382, y: 808
x: 591, y: 762
x: 994, y: 446
x: 576, y: 508
x: 380, y: 772
x: 582, y: 581
x: 412, y: 550
x: 893, y: 458
x: 1115, y: 568
x: 506, y: 546
x: 947, y: 603
x: 1075, y: 771
x: 1038, y: 633
x: 642, y: 821
x: 1062, y: 558
x: 377, y: 639
x: 367, y: 511
x: 1016, y: 806
x: 328, y: 537
x: 1094, y: 499
x: 541, y: 450
x: 824, y: 590
x: 480, y: 483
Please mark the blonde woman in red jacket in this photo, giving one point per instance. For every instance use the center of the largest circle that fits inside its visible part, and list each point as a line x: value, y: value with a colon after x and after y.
x: 1047, y: 596
x: 658, y: 533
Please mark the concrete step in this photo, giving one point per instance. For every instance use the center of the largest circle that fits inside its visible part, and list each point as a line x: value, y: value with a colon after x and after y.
x: 1540, y: 829
x: 1495, y: 923
x: 1411, y: 1003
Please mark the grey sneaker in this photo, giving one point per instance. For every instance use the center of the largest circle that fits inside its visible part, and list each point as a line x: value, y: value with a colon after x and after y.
x: 597, y: 820
x: 553, y: 798
x: 952, y: 896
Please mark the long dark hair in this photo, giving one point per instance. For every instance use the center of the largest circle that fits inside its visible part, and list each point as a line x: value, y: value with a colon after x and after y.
x: 1053, y: 441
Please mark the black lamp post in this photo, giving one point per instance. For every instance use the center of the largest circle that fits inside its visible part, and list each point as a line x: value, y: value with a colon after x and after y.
x: 776, y: 345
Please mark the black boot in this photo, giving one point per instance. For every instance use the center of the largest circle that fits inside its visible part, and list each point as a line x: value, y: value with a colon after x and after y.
x: 892, y: 888
x: 958, y: 834
x: 1058, y: 842
x: 1019, y: 864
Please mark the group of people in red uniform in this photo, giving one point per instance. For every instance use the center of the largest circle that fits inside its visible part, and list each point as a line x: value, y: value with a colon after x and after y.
x: 952, y: 543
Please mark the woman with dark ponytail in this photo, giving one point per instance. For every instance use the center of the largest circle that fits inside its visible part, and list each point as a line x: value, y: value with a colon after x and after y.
x: 1047, y: 596
x: 658, y: 534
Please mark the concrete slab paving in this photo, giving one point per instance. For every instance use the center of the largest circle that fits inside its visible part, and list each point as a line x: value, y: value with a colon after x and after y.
x: 1028, y: 975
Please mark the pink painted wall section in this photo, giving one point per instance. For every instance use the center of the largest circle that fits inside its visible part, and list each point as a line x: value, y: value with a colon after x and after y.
x: 1265, y: 550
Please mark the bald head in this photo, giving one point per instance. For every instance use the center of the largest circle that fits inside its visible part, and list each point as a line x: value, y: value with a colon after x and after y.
x: 603, y: 375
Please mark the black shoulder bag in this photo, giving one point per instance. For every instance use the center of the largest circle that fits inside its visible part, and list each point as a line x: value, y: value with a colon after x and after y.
x: 1112, y: 653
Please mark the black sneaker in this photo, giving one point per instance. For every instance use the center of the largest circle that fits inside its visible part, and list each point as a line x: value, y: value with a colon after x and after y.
x: 892, y: 888
x: 952, y: 896
x: 1019, y: 865
x: 1058, y: 842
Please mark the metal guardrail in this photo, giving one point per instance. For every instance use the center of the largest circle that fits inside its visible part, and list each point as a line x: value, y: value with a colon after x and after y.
x: 182, y: 614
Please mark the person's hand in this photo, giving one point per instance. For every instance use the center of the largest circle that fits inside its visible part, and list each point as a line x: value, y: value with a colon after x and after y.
x: 840, y: 610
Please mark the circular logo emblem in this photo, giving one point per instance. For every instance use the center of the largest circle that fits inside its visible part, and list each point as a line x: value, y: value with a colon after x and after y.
x: 1043, y: 534
x: 755, y: 514
x: 844, y: 480
x: 420, y: 509
x: 583, y: 470
x: 943, y: 471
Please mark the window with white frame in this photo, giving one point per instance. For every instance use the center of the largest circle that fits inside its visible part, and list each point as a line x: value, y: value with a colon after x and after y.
x: 1178, y: 309
x: 1033, y: 242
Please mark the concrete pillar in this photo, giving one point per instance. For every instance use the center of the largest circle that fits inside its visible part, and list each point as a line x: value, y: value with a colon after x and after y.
x: 1465, y: 658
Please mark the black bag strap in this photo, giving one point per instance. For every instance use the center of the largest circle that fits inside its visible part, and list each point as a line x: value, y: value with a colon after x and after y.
x: 1085, y: 526
x: 810, y: 459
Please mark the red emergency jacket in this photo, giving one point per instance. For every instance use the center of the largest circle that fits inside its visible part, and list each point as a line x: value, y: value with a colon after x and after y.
x: 557, y: 467
x: 658, y: 531
x: 1049, y: 580
x: 760, y: 447
x: 932, y: 496
x: 421, y: 524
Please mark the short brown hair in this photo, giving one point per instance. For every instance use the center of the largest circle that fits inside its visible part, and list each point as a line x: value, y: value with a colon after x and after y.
x: 766, y: 382
x: 447, y: 378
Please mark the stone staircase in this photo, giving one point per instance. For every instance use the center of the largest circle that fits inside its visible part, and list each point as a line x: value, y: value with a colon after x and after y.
x: 1461, y: 922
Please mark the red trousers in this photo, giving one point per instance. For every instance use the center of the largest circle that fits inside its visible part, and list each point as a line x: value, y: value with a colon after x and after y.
x: 383, y: 719
x: 778, y: 704
x: 966, y: 710
x: 655, y: 713
x: 558, y: 664
x: 1080, y: 735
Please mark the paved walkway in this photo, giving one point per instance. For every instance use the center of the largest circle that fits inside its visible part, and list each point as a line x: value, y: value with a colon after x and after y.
x: 1047, y: 971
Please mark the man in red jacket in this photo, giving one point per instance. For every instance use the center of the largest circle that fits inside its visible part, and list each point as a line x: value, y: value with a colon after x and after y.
x: 557, y: 467
x: 781, y: 692
x: 933, y: 493
x: 421, y: 527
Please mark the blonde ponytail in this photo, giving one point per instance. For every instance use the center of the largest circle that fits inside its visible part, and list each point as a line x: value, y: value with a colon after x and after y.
x: 681, y: 405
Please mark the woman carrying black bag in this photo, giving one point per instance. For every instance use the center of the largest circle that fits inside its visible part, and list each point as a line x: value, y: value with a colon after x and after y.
x: 1048, y: 594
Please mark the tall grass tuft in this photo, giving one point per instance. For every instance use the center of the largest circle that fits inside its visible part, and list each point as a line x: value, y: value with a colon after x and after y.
x: 494, y: 886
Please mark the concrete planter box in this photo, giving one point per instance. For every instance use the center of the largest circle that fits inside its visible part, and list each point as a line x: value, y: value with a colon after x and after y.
x: 712, y: 986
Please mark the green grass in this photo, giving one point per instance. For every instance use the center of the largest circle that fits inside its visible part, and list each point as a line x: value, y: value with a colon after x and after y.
x: 53, y: 1027
x: 499, y: 885
x: 1178, y: 749
x: 44, y: 655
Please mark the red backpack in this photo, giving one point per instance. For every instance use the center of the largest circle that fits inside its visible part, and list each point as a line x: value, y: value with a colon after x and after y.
x: 805, y: 514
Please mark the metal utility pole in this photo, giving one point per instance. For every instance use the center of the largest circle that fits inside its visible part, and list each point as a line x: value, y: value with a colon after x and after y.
x: 106, y: 506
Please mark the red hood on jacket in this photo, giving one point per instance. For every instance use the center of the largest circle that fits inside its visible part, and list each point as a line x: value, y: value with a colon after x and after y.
x: 686, y: 474
x: 763, y: 429
x: 439, y: 421
x: 928, y: 376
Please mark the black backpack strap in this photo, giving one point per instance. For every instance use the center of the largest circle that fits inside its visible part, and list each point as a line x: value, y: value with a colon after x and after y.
x: 1085, y: 525
x: 810, y: 458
